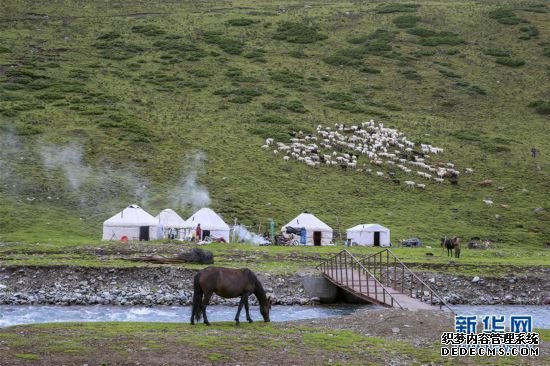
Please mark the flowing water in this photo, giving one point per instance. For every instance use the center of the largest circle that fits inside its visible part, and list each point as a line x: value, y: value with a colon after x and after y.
x: 20, y: 314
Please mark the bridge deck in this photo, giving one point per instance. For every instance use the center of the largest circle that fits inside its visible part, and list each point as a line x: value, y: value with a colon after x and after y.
x: 367, y: 288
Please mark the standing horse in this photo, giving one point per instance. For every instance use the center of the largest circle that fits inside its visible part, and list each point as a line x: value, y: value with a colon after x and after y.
x: 227, y: 283
x: 451, y: 244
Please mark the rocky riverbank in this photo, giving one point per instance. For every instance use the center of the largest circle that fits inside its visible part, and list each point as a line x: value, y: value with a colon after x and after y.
x: 173, y: 286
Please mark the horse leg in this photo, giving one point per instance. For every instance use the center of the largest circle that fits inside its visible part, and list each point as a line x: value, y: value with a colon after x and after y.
x: 247, y: 310
x: 241, y: 303
x: 205, y: 302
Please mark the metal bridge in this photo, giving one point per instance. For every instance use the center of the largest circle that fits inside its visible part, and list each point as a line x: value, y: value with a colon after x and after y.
x: 381, y: 278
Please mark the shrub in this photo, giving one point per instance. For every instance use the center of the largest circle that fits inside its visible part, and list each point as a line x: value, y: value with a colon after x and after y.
x: 449, y: 74
x: 541, y: 106
x: 298, y: 33
x: 256, y: 55
x: 411, y: 75
x: 478, y: 90
x: 273, y: 119
x: 497, y: 52
x: 421, y: 32
x: 4, y: 49
x: 240, y: 22
x: 228, y: 45
x: 149, y: 30
x: 546, y: 52
x: 397, y: 8
x: 272, y: 106
x: 340, y: 60
x: 350, y: 107
x: 340, y: 97
x: 505, y: 16
x: 447, y: 38
x: 511, y: 62
x: 297, y: 54
x: 530, y: 32
x: 369, y: 70
x: 109, y: 36
x: 296, y: 106
x: 406, y: 21
x: 288, y: 78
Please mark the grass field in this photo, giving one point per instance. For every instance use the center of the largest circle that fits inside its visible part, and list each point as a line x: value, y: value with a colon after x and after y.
x: 174, y: 343
x: 166, y: 104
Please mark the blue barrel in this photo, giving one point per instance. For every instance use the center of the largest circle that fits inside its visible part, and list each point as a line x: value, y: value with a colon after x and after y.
x: 303, y: 236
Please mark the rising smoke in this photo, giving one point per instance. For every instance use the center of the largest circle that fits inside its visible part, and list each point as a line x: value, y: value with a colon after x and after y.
x: 69, y: 159
x: 188, y: 192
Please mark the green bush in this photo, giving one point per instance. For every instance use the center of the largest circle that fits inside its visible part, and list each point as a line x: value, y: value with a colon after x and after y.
x: 273, y: 119
x: 449, y: 74
x: 288, y: 78
x: 272, y: 106
x: 541, y: 106
x: 297, y: 54
x: 546, y: 51
x: 478, y: 90
x: 397, y: 8
x: 530, y: 32
x: 109, y: 36
x: 149, y: 30
x: 340, y: 60
x: 369, y: 70
x: 296, y: 106
x: 4, y: 49
x: 406, y: 21
x: 240, y: 22
x: 298, y: 33
x: 505, y: 16
x: 511, y: 62
x: 421, y: 32
x: 447, y: 38
x: 340, y: 97
x: 256, y: 55
x: 411, y: 75
x: 343, y: 106
x: 228, y: 45
x: 497, y: 52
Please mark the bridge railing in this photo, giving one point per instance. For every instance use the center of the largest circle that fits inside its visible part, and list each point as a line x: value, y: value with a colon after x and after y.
x: 391, y: 272
x: 348, y: 271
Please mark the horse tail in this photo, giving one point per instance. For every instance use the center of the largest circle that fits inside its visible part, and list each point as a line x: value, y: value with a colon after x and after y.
x: 197, y: 298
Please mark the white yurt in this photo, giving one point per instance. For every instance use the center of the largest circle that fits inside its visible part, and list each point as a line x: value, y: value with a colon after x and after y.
x: 369, y: 234
x: 132, y: 223
x: 317, y: 232
x: 212, y: 224
x: 169, y: 222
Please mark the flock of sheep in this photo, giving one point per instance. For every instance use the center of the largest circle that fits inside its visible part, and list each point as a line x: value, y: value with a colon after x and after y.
x: 369, y: 148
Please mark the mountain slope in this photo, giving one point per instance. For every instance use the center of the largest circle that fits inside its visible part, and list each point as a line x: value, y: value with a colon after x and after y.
x: 167, y: 105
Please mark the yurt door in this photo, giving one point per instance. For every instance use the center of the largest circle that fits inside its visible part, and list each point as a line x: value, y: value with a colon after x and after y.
x: 316, y: 238
x: 377, y: 238
x: 144, y: 233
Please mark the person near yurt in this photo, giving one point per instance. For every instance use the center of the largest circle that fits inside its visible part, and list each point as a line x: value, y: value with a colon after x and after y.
x: 316, y: 231
x: 211, y: 225
x: 169, y: 223
x: 132, y: 223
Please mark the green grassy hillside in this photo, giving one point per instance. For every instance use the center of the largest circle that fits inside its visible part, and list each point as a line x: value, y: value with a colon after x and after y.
x: 166, y: 104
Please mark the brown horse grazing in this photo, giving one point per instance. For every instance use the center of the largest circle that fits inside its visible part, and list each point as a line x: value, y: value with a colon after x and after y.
x: 451, y: 244
x: 227, y: 283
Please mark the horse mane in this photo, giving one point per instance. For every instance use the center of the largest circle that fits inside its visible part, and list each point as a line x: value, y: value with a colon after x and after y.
x: 258, y: 288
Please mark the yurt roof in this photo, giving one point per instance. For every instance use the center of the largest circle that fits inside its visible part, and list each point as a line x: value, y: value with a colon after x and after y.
x: 170, y: 218
x: 368, y: 227
x: 309, y: 221
x: 132, y: 215
x: 208, y: 219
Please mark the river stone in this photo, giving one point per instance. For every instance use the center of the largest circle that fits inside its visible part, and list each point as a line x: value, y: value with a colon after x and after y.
x: 475, y: 279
